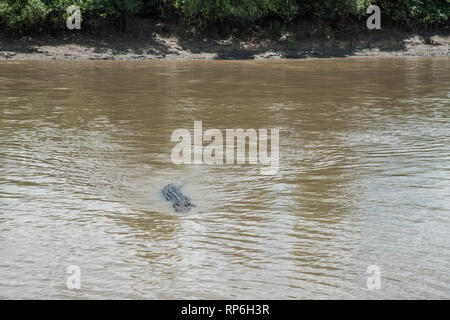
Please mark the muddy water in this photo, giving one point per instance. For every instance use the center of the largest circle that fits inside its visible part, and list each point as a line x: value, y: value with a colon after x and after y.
x: 364, y: 179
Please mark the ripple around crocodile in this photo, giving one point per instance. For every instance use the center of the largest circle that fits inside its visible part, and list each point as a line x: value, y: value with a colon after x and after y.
x: 179, y: 201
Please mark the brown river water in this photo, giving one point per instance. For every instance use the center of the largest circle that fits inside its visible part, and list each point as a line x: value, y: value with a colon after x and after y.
x: 363, y: 179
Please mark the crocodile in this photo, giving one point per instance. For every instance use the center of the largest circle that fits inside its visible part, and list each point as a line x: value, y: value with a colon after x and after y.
x: 179, y: 201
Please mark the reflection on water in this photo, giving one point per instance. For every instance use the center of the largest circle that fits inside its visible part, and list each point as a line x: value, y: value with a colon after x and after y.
x: 364, y: 180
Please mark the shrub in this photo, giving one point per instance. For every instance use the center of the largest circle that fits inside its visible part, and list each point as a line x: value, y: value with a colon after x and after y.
x: 24, y: 14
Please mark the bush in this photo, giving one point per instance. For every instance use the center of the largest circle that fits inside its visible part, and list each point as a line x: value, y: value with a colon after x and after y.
x: 17, y: 13
x: 206, y: 11
x: 411, y: 11
x: 24, y: 14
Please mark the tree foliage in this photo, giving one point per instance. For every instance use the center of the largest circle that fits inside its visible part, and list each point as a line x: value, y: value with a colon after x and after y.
x: 29, y: 13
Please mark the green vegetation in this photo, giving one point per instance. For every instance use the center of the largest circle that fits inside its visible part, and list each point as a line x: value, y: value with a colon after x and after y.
x: 26, y: 14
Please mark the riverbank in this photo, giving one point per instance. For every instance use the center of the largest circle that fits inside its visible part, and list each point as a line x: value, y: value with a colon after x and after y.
x: 184, y: 46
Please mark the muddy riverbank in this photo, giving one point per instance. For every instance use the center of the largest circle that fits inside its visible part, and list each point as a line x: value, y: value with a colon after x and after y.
x: 175, y: 46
